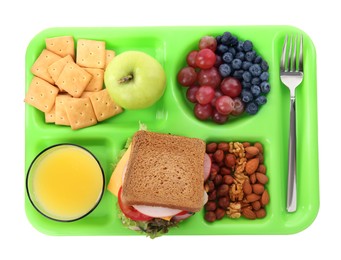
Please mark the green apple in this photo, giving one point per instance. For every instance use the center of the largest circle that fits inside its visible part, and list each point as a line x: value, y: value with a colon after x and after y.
x: 135, y: 80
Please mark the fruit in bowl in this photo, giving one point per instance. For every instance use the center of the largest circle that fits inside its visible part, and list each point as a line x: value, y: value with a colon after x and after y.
x: 225, y: 78
x: 135, y: 80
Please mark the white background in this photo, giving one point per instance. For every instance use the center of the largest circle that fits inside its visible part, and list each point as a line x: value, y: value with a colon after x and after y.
x: 21, y: 20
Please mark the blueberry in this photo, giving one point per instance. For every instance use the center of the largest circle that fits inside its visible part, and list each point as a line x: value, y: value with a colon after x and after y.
x: 240, y: 46
x: 247, y: 46
x: 255, y: 90
x: 247, y: 76
x: 232, y: 50
x: 233, y: 41
x: 225, y: 70
x: 265, y: 87
x: 255, y: 70
x: 258, y: 60
x: 236, y: 64
x: 221, y: 48
x: 225, y: 38
x: 240, y: 55
x: 261, y: 100
x: 250, y: 56
x: 255, y: 81
x: 246, y: 85
x: 228, y: 57
x: 218, y: 39
x: 251, y: 108
x: 246, y: 96
x: 238, y: 74
x: 264, y: 76
x: 246, y: 65
x: 264, y: 65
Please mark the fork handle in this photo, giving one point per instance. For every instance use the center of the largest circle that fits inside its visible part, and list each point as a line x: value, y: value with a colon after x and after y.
x: 291, y: 192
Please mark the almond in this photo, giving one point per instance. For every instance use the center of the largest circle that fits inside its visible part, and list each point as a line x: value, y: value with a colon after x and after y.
x: 261, y: 168
x: 259, y: 146
x: 258, y: 188
x: 261, y: 213
x: 247, y: 188
x: 253, y: 178
x: 252, y: 150
x: 262, y: 178
x: 252, y: 197
x: 265, y: 198
x: 251, y: 166
x: 256, y: 205
x: 248, y: 213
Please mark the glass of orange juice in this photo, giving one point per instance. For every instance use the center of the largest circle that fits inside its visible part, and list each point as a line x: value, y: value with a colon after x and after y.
x: 65, y: 182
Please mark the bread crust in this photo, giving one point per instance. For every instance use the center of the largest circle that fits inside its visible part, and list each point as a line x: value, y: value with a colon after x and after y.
x: 165, y: 170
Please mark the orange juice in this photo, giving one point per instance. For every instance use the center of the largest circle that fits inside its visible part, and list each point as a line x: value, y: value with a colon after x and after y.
x: 65, y: 182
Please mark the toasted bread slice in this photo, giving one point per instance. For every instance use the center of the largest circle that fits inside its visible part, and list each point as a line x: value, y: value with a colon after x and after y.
x: 165, y: 170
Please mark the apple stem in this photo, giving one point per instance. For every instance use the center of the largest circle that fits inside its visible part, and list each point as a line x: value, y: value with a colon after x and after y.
x: 126, y: 78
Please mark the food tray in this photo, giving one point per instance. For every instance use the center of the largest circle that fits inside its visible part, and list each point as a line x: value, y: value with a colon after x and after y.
x: 173, y: 114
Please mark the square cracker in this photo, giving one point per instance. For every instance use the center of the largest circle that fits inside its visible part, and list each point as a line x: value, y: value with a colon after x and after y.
x: 40, y: 66
x: 103, y: 104
x: 61, y: 117
x: 62, y: 45
x: 57, y: 67
x: 80, y: 113
x: 41, y: 94
x: 91, y: 54
x: 96, y: 82
x: 109, y: 55
x: 73, y: 79
x: 50, y: 116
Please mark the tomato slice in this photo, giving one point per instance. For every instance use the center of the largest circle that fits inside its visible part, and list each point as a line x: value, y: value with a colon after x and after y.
x: 129, y: 211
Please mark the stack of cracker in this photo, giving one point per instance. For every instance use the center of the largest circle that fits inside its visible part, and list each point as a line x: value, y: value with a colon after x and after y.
x: 68, y: 88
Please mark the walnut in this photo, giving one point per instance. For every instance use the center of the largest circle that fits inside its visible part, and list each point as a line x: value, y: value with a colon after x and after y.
x: 237, y: 149
x: 236, y: 192
x: 234, y: 210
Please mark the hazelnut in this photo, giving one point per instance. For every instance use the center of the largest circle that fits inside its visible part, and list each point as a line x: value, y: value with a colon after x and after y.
x: 218, y: 156
x: 223, y: 190
x: 211, y: 206
x: 220, y: 213
x: 211, y: 147
x: 227, y: 179
x: 210, y: 216
x: 225, y: 171
x: 230, y: 160
x: 212, y: 195
x: 218, y: 180
x: 223, y: 146
x: 224, y: 202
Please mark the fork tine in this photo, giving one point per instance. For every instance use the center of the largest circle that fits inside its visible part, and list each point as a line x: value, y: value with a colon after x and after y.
x: 290, y: 54
x: 284, y: 51
x: 300, y: 63
x: 294, y: 61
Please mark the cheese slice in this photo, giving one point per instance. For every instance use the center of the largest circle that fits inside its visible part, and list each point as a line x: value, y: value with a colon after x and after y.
x: 116, y: 178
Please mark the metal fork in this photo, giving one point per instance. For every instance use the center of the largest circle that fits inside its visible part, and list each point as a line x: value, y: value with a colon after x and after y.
x: 291, y: 74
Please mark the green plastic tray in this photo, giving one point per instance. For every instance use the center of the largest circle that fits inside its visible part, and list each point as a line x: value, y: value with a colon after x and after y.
x: 173, y: 114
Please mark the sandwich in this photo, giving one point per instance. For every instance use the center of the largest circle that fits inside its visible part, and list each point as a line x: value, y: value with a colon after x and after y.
x: 159, y: 181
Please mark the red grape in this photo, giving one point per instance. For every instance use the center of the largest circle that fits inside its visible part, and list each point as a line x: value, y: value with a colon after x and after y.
x: 217, y: 94
x: 202, y: 112
x: 224, y: 105
x: 204, y: 95
x: 218, y: 61
x: 190, y: 94
x: 210, y: 77
x: 191, y: 58
x: 187, y: 76
x: 205, y: 59
x: 231, y: 87
x: 238, y: 107
x: 219, y: 118
x: 208, y: 42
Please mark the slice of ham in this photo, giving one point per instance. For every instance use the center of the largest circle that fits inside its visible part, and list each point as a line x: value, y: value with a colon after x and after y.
x: 207, y: 166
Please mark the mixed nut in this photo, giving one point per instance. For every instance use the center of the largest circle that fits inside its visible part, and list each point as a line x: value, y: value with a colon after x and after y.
x: 236, y: 185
